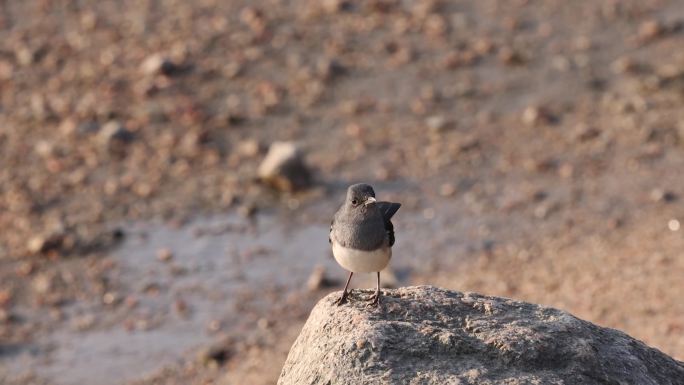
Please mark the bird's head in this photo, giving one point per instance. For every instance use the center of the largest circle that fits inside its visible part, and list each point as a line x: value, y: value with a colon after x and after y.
x: 360, y: 195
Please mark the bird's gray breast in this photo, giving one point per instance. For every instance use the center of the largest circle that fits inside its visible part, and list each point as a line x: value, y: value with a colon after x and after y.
x: 360, y: 233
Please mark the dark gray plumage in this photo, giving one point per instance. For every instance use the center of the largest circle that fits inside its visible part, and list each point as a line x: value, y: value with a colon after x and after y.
x: 364, y: 225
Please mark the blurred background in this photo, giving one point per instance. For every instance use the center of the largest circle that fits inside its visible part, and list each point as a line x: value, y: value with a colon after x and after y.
x: 169, y: 170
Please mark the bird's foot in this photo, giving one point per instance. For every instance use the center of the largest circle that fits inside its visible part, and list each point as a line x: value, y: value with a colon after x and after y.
x: 342, y: 300
x: 375, y: 300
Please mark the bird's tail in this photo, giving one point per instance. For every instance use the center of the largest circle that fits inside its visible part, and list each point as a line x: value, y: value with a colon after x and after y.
x: 388, y: 209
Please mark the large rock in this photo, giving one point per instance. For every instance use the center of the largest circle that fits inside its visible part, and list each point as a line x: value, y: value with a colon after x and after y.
x: 426, y: 335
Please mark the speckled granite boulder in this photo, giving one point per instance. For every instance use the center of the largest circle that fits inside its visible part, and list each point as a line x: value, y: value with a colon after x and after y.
x: 426, y: 335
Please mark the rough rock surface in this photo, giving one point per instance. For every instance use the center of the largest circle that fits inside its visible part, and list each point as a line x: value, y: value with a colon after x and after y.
x: 426, y: 335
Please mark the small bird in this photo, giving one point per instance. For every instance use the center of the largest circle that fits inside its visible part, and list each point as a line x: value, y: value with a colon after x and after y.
x: 362, y: 235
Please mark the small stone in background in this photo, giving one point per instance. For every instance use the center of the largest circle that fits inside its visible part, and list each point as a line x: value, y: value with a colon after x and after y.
x: 84, y: 322
x: 111, y: 298
x: 5, y: 316
x: 157, y: 64
x: 232, y: 69
x: 214, y: 326
x: 43, y: 244
x: 44, y: 148
x: 247, y: 210
x: 217, y: 354
x: 584, y: 133
x: 510, y: 57
x: 388, y: 279
x: 660, y: 195
x: 284, y: 169
x: 25, y: 269
x: 673, y: 225
x: 318, y: 280
x: 438, y: 123
x: 181, y: 307
x: 5, y: 297
x: 447, y: 189
x: 6, y: 70
x: 534, y: 115
x: 248, y: 148
x: 650, y: 30
x: 329, y: 69
x: 335, y: 6
x: 624, y: 65
x: 164, y: 255
x: 114, y: 132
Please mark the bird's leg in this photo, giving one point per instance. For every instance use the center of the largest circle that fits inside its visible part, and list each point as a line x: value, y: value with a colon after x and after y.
x: 376, y: 297
x: 343, y: 298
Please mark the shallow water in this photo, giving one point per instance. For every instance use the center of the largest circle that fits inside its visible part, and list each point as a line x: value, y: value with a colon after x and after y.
x: 219, y: 267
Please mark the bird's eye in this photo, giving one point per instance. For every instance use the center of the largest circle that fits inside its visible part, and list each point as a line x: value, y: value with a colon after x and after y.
x: 354, y: 201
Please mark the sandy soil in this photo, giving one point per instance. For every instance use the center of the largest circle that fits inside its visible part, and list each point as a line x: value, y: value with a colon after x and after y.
x: 537, y: 147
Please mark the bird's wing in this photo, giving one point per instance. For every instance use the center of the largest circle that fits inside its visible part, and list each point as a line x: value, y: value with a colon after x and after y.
x: 330, y: 233
x: 388, y: 209
x: 389, y: 228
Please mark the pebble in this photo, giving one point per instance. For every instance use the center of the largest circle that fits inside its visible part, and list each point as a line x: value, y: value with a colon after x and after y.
x: 247, y: 210
x: 6, y: 70
x: 131, y: 302
x: 43, y: 244
x: 673, y: 225
x: 158, y: 64
x: 25, y: 269
x: 5, y: 297
x: 232, y: 69
x: 584, y: 133
x: 389, y: 279
x: 5, y: 316
x: 566, y: 170
x: 335, y: 6
x: 284, y: 168
x: 535, y: 115
x: 354, y: 130
x: 543, y: 210
x: 318, y: 279
x: 650, y: 30
x: 249, y: 148
x: 438, y: 123
x: 329, y: 69
x: 447, y: 189
x: 84, y: 322
x: 114, y: 132
x: 181, y: 307
x: 24, y: 56
x: 264, y: 324
x: 510, y: 57
x: 254, y: 19
x: 216, y: 354
x: 164, y: 254
x: 214, y: 326
x: 660, y: 195
x: 624, y: 65
x: 435, y: 26
x: 111, y: 298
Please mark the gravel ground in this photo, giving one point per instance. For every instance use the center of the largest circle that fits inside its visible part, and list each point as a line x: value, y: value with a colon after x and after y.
x: 545, y: 137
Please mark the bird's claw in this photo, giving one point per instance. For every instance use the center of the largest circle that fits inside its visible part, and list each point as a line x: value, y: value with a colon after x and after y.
x: 342, y: 300
x: 375, y: 300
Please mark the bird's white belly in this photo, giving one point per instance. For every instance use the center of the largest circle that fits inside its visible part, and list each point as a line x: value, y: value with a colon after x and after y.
x: 362, y: 261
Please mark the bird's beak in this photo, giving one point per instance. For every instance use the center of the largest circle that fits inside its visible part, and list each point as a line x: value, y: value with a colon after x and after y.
x: 369, y: 201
